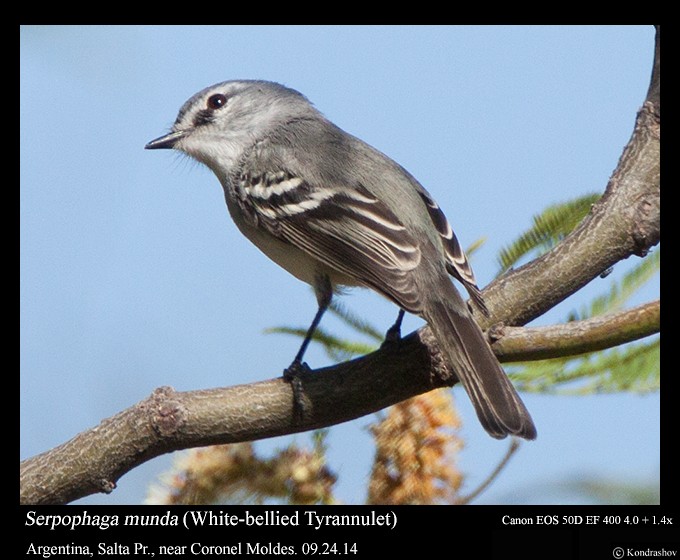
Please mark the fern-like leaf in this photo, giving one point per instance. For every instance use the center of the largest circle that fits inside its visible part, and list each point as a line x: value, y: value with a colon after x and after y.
x: 633, y: 368
x: 338, y: 349
x: 357, y: 323
x: 548, y: 229
x: 621, y: 291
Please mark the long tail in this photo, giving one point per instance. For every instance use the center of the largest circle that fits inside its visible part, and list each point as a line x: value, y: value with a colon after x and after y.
x: 498, y: 406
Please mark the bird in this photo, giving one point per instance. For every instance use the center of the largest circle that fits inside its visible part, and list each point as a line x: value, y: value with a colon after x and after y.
x: 336, y: 212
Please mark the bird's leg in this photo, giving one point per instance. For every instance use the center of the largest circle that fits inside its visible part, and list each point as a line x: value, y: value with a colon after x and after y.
x: 393, y: 334
x: 324, y: 294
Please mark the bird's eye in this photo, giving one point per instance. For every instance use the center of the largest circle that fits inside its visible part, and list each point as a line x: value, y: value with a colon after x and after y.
x: 217, y: 101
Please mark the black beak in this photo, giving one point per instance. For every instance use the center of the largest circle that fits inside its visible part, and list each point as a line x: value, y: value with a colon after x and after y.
x: 165, y: 142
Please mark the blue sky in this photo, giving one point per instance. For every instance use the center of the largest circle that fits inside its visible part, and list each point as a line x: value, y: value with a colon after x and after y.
x: 133, y: 276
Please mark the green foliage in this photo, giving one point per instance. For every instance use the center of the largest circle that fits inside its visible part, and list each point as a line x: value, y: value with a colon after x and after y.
x: 633, y: 367
x: 357, y: 323
x: 549, y: 228
x: 338, y: 349
x: 620, y: 292
x: 594, y: 490
x: 603, y: 491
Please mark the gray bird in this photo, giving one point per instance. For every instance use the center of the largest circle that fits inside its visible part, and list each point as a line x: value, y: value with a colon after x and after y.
x: 334, y: 211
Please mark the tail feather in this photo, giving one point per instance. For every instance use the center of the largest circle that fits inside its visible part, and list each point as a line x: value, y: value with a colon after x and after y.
x: 498, y: 406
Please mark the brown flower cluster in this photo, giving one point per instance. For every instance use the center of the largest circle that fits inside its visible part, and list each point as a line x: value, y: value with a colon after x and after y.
x: 416, y: 446
x: 235, y: 474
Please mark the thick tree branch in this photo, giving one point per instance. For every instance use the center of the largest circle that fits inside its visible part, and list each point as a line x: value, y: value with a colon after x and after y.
x: 624, y: 222
x: 168, y: 420
x: 576, y: 337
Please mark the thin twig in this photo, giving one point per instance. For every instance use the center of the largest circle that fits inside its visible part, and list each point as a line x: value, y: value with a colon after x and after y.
x: 515, y: 344
x: 514, y: 446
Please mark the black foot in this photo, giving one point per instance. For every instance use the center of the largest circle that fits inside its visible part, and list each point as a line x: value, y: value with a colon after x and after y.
x: 292, y: 374
x: 296, y: 369
x: 392, y: 336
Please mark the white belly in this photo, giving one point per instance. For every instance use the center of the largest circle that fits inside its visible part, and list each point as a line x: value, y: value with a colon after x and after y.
x: 300, y: 264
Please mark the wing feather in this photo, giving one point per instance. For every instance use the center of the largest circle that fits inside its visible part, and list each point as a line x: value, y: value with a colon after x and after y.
x: 457, y: 263
x: 347, y: 229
